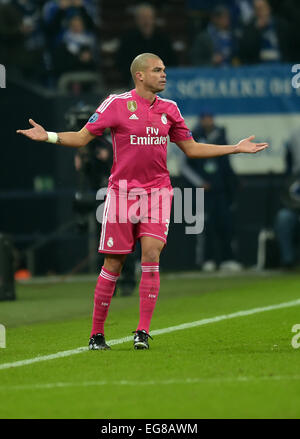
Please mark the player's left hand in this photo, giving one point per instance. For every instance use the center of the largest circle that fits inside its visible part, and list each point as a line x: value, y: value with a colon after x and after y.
x: 246, y: 145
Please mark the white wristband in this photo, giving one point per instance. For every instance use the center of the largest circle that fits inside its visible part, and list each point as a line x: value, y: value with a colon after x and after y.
x: 52, y: 137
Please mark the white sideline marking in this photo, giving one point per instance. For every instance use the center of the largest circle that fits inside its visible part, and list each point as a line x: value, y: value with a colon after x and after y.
x: 247, y: 312
x: 153, y: 382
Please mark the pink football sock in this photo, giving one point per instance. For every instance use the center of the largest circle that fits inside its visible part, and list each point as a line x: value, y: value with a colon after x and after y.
x: 103, y: 293
x: 149, y: 287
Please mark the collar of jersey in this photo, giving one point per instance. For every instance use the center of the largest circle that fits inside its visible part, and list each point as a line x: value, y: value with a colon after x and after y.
x: 144, y: 101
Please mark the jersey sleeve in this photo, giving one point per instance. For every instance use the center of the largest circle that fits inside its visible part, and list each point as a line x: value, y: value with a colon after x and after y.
x: 179, y: 130
x: 104, y: 117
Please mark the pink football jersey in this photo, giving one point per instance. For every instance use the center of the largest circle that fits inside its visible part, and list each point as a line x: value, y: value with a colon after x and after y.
x: 139, y: 134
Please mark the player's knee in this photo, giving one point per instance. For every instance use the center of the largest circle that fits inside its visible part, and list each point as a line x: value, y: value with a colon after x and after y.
x: 114, y: 264
x: 151, y: 255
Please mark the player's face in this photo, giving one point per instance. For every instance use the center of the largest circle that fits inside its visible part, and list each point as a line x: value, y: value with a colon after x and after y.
x: 154, y: 76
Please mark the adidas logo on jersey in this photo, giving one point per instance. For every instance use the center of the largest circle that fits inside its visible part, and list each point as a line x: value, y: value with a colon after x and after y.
x: 133, y: 116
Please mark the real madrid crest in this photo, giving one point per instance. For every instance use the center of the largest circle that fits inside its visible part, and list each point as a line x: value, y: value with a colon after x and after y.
x: 164, y: 118
x: 110, y: 242
x: 132, y: 106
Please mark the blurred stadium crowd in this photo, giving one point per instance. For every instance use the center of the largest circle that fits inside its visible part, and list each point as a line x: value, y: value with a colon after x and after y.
x: 43, y: 40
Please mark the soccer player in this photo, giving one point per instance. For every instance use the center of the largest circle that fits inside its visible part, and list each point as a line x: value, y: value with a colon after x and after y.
x: 140, y: 122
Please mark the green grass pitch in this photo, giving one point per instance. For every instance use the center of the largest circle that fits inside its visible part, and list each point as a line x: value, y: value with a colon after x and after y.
x: 243, y: 367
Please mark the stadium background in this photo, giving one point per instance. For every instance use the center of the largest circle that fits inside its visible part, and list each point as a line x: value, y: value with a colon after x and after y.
x: 43, y: 211
x: 38, y: 182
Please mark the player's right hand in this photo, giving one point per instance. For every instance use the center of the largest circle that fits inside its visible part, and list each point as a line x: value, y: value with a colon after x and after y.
x: 37, y: 133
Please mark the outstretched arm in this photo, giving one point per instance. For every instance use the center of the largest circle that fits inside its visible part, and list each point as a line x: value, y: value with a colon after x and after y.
x: 75, y: 139
x: 197, y: 150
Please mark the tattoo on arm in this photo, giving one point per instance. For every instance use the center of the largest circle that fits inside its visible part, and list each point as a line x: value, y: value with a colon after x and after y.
x: 58, y: 139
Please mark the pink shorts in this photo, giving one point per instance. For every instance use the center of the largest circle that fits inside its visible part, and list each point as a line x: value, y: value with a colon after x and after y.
x: 126, y: 218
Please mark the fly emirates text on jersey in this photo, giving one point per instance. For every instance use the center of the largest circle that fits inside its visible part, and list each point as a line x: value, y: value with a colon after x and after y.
x: 151, y: 138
